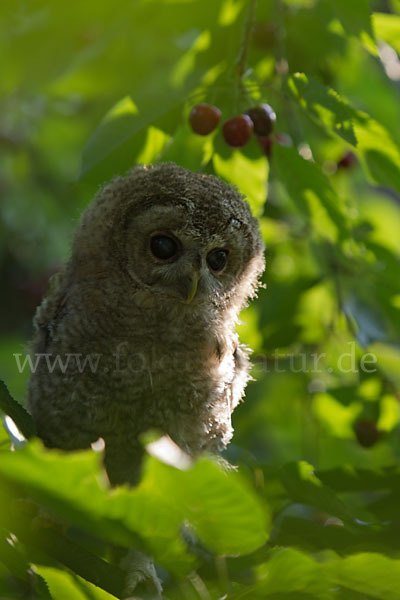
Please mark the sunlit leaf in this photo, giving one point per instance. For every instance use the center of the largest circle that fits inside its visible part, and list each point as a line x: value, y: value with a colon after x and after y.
x: 326, y: 104
x: 372, y: 574
x: 356, y: 19
x: 311, y: 192
x: 387, y: 28
x: 188, y: 149
x: 249, y: 175
x: 125, y: 120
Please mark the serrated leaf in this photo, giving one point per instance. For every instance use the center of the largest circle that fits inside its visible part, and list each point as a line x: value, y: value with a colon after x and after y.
x: 19, y: 567
x: 64, y: 585
x: 326, y: 104
x: 71, y: 486
x: 379, y: 150
x: 226, y: 515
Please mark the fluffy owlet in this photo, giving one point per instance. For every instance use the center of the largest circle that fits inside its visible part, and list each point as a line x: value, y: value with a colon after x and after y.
x: 138, y: 329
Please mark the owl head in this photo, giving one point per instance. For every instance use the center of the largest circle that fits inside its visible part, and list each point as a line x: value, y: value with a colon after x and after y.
x: 177, y: 235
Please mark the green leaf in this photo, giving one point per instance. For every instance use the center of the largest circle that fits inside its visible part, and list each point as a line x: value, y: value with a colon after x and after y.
x: 388, y: 361
x: 372, y: 574
x: 67, y: 484
x: 379, y: 150
x: 279, y: 309
x: 250, y: 175
x: 387, y: 28
x: 311, y: 193
x: 348, y: 478
x: 10, y: 407
x: 355, y: 17
x: 227, y: 516
x: 303, y: 486
x: 66, y: 586
x: 62, y: 585
x: 18, y: 566
x: 188, y: 149
x: 125, y: 120
x: 325, y: 104
x: 292, y: 571
x: 288, y: 574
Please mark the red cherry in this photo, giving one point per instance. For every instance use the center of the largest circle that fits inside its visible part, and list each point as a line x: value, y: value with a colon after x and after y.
x: 367, y: 433
x: 204, y: 118
x: 264, y: 118
x: 266, y: 143
x: 237, y: 131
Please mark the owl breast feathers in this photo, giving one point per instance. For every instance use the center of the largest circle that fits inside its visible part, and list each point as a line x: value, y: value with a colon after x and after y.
x: 138, y: 329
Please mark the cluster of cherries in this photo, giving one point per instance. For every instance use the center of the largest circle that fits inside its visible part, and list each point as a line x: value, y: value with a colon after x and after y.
x: 237, y: 131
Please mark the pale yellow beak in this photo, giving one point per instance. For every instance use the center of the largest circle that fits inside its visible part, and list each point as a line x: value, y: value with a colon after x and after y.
x: 193, y: 288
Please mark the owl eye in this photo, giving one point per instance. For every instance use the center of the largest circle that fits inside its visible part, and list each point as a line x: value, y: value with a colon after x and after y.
x: 216, y: 259
x: 163, y: 247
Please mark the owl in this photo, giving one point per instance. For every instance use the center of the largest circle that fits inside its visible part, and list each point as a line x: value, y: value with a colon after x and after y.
x: 137, y: 331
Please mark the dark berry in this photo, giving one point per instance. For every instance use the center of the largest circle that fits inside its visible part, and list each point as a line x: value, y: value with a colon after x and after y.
x: 237, y: 131
x: 367, y: 433
x: 204, y: 118
x: 264, y: 118
x: 347, y: 161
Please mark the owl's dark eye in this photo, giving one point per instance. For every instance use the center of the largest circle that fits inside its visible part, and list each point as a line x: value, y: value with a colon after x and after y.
x: 217, y: 258
x: 163, y: 247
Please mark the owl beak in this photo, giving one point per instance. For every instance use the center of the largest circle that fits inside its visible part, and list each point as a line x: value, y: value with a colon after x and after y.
x: 192, y: 288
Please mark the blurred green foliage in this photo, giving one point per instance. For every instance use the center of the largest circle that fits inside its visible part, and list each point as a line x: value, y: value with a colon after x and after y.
x: 86, y: 92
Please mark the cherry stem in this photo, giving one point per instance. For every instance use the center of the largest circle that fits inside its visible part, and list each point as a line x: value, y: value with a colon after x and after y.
x: 241, y: 62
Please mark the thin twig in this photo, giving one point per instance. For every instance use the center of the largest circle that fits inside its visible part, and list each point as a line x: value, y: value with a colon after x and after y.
x: 241, y: 62
x: 244, y: 48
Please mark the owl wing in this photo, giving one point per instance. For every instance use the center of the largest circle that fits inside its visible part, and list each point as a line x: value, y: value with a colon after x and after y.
x: 241, y: 373
x: 50, y: 312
